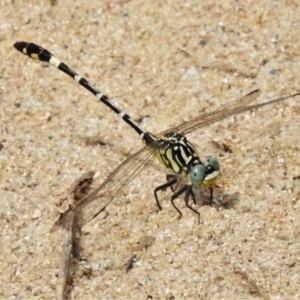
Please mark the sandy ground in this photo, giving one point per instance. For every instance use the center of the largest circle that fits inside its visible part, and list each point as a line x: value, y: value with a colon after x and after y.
x: 169, y: 61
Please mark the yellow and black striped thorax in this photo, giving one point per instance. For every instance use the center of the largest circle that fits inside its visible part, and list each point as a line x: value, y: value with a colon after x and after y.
x: 174, y: 151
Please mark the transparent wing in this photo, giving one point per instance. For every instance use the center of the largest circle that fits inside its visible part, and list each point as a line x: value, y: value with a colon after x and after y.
x: 233, y: 108
x: 228, y: 109
x: 94, y: 203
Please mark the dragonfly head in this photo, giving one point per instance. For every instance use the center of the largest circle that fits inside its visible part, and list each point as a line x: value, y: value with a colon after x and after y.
x: 205, y: 174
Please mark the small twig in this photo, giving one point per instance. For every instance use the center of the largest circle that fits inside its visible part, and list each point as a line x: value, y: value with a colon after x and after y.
x: 252, y: 285
x: 77, y: 191
x: 144, y: 243
x: 130, y: 263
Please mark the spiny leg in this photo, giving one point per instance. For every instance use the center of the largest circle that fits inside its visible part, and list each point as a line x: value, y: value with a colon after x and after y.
x: 170, y: 177
x: 175, y: 196
x: 211, y: 196
x: 169, y: 183
x: 193, y: 195
x: 189, y: 192
x: 188, y: 189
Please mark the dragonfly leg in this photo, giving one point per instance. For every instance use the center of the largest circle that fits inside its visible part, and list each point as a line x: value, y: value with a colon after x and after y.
x: 193, y: 195
x: 170, y: 177
x: 211, y: 196
x: 175, y: 196
x: 169, y: 183
x: 189, y: 192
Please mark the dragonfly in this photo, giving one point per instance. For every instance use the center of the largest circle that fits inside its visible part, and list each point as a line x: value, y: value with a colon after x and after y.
x: 170, y: 147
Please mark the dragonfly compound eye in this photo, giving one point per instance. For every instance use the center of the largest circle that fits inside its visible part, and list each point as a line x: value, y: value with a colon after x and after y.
x: 212, y: 170
x: 197, y: 174
x: 213, y: 163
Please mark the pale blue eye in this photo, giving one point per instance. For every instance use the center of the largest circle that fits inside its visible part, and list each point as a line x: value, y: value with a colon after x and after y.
x: 212, y: 170
x: 197, y: 174
x: 213, y: 162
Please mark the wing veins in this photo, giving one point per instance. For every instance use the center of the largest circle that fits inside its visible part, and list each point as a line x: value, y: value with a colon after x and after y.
x: 120, y: 177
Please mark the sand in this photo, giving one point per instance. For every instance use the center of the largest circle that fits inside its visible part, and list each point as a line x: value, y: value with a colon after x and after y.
x: 164, y: 62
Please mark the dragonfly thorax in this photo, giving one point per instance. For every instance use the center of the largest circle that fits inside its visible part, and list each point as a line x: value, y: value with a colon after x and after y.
x: 175, y: 152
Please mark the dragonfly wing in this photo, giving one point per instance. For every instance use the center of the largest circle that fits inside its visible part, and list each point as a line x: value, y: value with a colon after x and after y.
x: 233, y: 108
x: 94, y: 203
x: 225, y: 110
